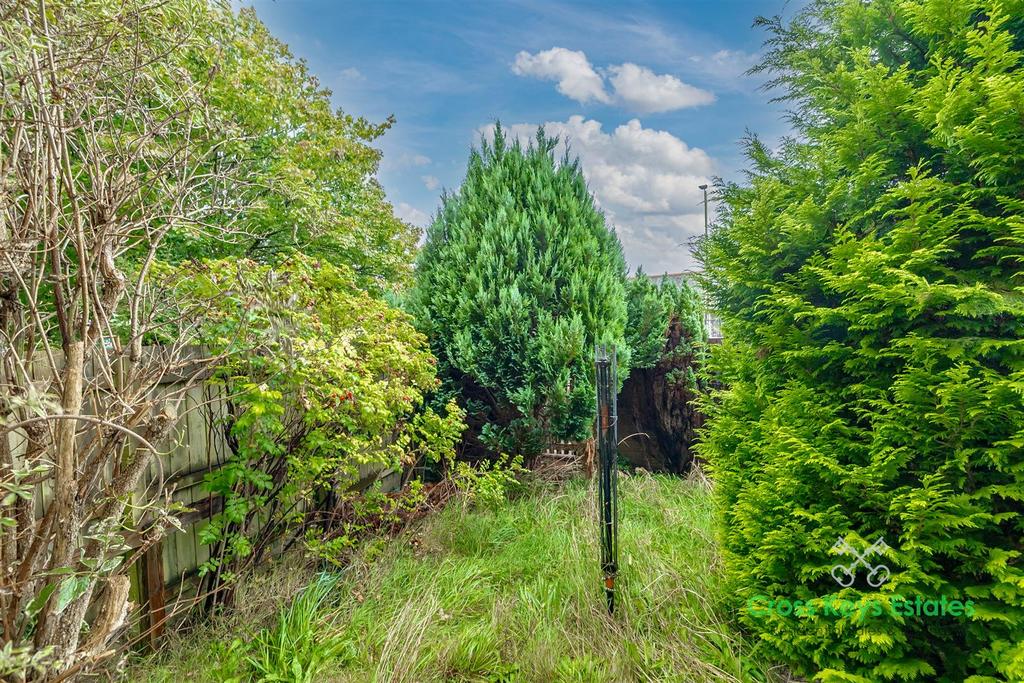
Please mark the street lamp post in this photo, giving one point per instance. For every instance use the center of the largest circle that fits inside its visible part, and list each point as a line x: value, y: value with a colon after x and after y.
x: 705, y: 189
x: 708, y: 318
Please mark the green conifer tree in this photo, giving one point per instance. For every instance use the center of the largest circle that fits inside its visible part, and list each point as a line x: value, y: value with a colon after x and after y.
x: 517, y: 281
x: 870, y: 280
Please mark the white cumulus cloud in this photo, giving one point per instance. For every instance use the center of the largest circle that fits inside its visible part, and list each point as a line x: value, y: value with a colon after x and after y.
x: 645, y: 180
x: 576, y: 78
x: 641, y: 90
x: 351, y: 74
x: 627, y: 85
x: 430, y: 182
x: 410, y: 214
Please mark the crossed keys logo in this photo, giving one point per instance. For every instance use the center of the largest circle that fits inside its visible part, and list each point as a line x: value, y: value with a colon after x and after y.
x: 846, y: 574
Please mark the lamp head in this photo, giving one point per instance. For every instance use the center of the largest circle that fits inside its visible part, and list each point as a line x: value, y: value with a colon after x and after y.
x: 702, y: 187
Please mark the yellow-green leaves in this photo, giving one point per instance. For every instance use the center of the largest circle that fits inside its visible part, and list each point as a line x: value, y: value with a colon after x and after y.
x: 869, y: 278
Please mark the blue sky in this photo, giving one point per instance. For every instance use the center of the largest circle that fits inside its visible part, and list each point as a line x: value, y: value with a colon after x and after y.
x: 651, y: 95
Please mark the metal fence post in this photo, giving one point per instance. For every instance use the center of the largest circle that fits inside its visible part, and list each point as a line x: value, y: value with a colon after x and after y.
x: 607, y: 448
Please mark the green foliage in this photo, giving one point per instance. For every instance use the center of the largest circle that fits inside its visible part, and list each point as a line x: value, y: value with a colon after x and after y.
x: 372, y: 513
x: 302, y: 643
x: 519, y: 278
x: 309, y: 171
x: 514, y: 594
x: 297, y: 648
x: 647, y: 320
x: 490, y: 483
x: 322, y: 378
x: 162, y: 134
x: 21, y: 662
x: 869, y: 278
x: 653, y: 309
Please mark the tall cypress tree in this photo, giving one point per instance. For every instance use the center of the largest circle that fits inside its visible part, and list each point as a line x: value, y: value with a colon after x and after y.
x: 517, y: 281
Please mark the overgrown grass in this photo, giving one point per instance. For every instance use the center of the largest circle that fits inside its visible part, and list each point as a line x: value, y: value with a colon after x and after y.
x: 506, y: 594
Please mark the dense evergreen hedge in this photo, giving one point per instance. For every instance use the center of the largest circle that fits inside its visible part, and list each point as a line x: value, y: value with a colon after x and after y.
x: 870, y: 280
x: 653, y: 307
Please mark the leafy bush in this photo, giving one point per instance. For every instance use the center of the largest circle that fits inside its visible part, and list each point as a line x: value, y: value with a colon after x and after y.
x: 373, y: 513
x: 490, y: 483
x: 653, y: 309
x: 869, y: 277
x: 519, y: 278
x: 321, y: 379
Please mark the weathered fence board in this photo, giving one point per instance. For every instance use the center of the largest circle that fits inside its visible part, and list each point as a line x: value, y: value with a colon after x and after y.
x: 196, y: 446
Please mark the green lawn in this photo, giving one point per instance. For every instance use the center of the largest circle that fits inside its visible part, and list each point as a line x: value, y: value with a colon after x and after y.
x: 512, y: 594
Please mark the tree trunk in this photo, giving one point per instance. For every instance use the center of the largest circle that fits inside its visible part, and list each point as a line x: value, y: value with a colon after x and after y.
x: 658, y: 415
x: 66, y: 541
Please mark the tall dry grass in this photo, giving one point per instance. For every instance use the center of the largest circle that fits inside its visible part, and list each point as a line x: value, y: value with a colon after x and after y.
x: 515, y: 594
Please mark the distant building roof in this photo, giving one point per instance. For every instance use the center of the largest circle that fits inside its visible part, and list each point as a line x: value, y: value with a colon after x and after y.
x: 677, y: 278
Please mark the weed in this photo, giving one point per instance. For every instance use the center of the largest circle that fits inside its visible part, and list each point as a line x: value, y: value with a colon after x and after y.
x: 513, y: 593
x: 303, y: 641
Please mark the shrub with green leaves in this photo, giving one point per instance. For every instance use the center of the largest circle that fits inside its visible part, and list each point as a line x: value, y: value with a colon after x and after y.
x: 870, y: 280
x: 320, y: 378
x: 519, y: 278
x: 655, y: 308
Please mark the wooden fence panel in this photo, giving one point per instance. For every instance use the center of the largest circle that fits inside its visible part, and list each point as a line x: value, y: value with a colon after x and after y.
x: 195, y: 447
